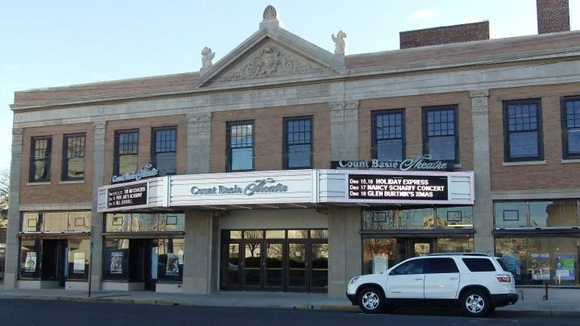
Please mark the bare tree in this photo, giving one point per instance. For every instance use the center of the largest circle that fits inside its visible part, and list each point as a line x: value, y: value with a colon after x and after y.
x: 4, y: 196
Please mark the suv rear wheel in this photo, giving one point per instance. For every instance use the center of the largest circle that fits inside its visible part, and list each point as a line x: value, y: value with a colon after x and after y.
x: 476, y: 303
x: 371, y: 300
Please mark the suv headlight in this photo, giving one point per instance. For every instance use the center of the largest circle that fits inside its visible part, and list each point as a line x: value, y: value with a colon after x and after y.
x: 353, y: 280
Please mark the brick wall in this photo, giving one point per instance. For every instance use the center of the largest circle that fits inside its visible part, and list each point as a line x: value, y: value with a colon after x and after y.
x: 553, y: 16
x: 445, y: 35
x: 554, y: 173
x: 269, y: 136
x: 413, y: 106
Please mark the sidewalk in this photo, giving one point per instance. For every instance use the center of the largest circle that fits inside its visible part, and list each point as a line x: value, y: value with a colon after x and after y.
x: 258, y: 299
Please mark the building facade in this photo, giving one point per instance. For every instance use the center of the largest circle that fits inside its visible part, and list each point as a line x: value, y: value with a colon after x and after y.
x: 285, y: 167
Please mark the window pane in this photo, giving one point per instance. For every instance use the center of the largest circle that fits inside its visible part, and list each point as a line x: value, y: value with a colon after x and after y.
x: 298, y: 142
x: 170, y: 259
x: 422, y: 218
x: 55, y: 222
x: 541, y: 260
x: 74, y: 159
x: 164, y: 150
x: 378, y: 220
x: 79, y: 221
x: 242, y: 159
x: 479, y: 264
x: 388, y: 135
x: 118, y: 222
x: 126, y: 151
x: 40, y: 159
x: 116, y: 262
x: 378, y: 254
x: 510, y: 214
x: 31, y: 222
x: 299, y: 156
x: 143, y: 222
x: 574, y: 141
x: 455, y: 245
x: 78, y: 259
x: 30, y: 259
x: 172, y: 222
x: 442, y: 148
x: 524, y: 144
x: 455, y: 217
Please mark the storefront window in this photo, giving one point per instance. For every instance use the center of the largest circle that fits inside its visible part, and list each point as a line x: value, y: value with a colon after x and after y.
x: 55, y: 222
x: 79, y: 221
x: 379, y: 254
x: 31, y: 222
x: 455, y: 245
x: 116, y: 263
x: 553, y: 213
x: 78, y: 259
x: 170, y: 264
x: 143, y: 222
x: 541, y: 260
x: 454, y: 217
x: 30, y: 255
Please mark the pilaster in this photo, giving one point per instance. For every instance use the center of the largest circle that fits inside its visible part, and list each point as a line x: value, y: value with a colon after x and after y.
x: 12, y: 248
x: 198, y: 143
x: 97, y: 218
x: 482, y: 209
x: 344, y: 131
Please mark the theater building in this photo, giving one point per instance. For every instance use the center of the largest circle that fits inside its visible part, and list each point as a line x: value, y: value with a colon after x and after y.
x: 288, y: 167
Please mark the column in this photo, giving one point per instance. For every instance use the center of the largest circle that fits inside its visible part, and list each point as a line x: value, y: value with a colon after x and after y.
x: 198, y: 143
x: 482, y: 210
x: 200, y: 261
x: 344, y: 131
x: 97, y: 218
x: 12, y: 248
x: 345, y: 252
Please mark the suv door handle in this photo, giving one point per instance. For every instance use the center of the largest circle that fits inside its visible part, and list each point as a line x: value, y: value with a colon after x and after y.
x: 419, y: 279
x: 454, y: 278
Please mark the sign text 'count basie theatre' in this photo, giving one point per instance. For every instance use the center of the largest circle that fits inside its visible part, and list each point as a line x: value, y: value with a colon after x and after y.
x: 127, y: 196
x: 370, y: 186
x: 259, y: 186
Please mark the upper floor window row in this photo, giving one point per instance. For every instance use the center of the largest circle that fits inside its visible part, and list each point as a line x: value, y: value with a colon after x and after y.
x: 297, y: 142
x: 163, y: 151
x: 440, y: 136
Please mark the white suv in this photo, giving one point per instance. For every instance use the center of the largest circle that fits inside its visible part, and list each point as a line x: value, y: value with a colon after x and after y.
x: 476, y: 282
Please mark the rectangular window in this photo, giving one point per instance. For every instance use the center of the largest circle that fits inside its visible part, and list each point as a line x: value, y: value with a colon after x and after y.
x: 388, y: 135
x: 452, y: 217
x: 73, y: 160
x: 298, y: 143
x: 537, y: 214
x: 240, y: 148
x: 126, y: 152
x: 40, y: 154
x: 571, y: 127
x: 440, y: 139
x: 523, y: 131
x: 164, y: 150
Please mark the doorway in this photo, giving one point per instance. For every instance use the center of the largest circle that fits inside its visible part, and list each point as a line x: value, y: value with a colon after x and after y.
x: 55, y: 261
x: 143, y: 261
x: 256, y: 263
x: 407, y: 248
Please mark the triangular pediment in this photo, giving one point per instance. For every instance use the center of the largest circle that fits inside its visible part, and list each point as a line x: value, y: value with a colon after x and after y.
x: 271, y: 56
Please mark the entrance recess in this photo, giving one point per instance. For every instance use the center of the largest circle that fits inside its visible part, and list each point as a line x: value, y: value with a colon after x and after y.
x: 275, y: 260
x: 54, y: 261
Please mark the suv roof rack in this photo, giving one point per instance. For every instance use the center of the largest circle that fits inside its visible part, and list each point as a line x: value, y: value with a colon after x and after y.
x: 460, y: 254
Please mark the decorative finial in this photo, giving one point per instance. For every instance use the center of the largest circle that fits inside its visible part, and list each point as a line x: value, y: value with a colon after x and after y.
x: 270, y: 18
x: 206, y: 57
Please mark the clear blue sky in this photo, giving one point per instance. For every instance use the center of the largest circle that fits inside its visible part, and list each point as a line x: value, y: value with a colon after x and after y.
x: 58, y: 43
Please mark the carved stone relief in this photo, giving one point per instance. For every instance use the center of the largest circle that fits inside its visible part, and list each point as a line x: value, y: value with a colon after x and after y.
x: 17, y: 136
x: 199, y: 122
x: 479, y: 101
x: 343, y: 112
x: 100, y: 128
x: 271, y: 61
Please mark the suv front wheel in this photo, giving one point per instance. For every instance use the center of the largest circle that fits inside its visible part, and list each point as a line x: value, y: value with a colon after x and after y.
x: 371, y: 300
x: 476, y: 303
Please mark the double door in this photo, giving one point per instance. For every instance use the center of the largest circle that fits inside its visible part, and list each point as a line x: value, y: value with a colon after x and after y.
x: 275, y: 265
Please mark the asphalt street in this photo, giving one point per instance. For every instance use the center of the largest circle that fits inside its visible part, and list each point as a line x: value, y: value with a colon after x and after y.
x: 53, y: 312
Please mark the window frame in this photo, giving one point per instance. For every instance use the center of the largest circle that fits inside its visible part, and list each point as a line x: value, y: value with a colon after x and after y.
x: 47, y: 158
x: 117, y: 155
x: 154, y: 152
x: 374, y: 135
x: 426, y: 137
x: 508, y: 133
x: 565, y: 129
x: 229, y: 148
x: 66, y: 158
x: 287, y: 146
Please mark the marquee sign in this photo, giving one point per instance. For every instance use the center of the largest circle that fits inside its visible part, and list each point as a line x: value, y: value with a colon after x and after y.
x: 127, y: 196
x: 372, y: 186
x: 148, y: 171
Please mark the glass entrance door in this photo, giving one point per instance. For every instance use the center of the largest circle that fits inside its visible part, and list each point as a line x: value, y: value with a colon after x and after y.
x: 252, y: 265
x: 297, y: 266
x: 274, y: 266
